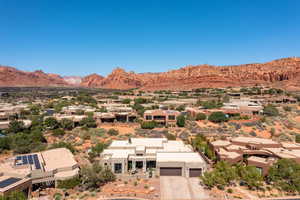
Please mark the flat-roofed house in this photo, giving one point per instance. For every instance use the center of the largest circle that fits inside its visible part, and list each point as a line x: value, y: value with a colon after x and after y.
x: 21, y: 171
x: 168, y: 158
x: 165, y: 117
x: 261, y: 153
x: 243, y: 107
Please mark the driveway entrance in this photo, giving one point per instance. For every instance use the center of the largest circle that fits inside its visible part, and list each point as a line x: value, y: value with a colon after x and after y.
x: 181, y: 188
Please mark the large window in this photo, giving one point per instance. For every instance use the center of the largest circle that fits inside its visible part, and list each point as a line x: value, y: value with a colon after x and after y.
x: 148, y: 117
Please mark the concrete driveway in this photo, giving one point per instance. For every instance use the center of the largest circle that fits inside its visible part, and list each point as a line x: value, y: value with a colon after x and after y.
x: 181, y: 188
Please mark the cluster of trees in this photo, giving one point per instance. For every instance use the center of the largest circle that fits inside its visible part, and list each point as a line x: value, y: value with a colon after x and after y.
x: 21, y: 139
x: 200, y: 144
x: 90, y: 177
x: 218, y: 117
x: 283, y: 175
x: 210, y: 104
x: 226, y: 175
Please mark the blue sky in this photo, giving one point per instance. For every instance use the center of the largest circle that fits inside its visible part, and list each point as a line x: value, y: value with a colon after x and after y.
x: 72, y: 37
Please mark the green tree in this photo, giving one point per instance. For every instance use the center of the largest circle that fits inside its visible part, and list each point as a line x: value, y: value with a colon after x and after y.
x: 4, y: 143
x: 97, y: 150
x: 180, y: 108
x: 88, y: 122
x: 16, y: 126
x: 251, y: 176
x: 51, y: 123
x: 148, y: 124
x: 126, y: 101
x: 285, y: 174
x: 217, y: 117
x: 180, y: 121
x: 95, y: 176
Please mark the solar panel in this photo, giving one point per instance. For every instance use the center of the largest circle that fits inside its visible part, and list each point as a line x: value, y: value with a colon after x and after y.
x: 18, y: 157
x: 24, y: 159
x: 30, y: 159
x: 36, y: 162
x: 8, y: 182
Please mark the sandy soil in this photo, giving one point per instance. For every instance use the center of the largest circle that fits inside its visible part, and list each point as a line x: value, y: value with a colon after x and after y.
x: 122, y: 128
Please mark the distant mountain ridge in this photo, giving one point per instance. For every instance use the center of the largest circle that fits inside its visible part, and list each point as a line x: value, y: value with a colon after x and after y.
x: 283, y: 73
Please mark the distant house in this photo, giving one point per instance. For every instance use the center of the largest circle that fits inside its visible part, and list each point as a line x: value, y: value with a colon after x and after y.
x: 164, y: 117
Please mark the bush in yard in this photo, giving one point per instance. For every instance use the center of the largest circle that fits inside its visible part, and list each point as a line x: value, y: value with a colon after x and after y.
x: 69, y: 183
x: 113, y: 132
x: 218, y: 117
x: 180, y: 121
x: 148, y: 125
x: 200, y: 116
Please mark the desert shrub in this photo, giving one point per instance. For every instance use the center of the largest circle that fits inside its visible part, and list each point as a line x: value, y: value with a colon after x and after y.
x: 287, y: 108
x: 113, y: 132
x: 170, y: 136
x: 58, y: 132
x: 69, y: 183
x: 63, y: 145
x: 271, y: 110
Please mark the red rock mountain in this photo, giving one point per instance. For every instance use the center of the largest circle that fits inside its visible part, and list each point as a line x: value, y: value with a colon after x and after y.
x: 10, y: 76
x: 93, y: 80
x: 284, y: 73
x: 280, y: 73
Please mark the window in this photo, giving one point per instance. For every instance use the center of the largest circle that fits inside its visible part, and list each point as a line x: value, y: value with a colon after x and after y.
x: 148, y: 117
x: 171, y: 117
x: 139, y: 154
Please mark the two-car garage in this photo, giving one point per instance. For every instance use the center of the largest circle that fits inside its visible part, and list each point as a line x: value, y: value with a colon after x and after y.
x: 187, y: 164
x: 177, y: 171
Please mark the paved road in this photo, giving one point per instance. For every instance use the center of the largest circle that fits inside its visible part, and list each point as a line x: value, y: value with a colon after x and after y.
x: 181, y: 188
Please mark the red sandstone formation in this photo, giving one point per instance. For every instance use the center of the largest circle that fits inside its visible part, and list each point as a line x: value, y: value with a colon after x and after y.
x: 92, y: 80
x: 280, y: 73
x: 283, y: 73
x: 10, y: 76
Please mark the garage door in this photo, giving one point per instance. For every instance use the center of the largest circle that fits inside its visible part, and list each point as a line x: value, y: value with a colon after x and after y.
x: 195, y: 172
x: 170, y: 171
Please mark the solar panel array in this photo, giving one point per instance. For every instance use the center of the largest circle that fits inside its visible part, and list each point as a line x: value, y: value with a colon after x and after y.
x: 8, y: 182
x: 28, y: 159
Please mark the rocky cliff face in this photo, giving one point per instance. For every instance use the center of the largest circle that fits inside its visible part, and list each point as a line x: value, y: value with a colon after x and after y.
x: 283, y: 72
x: 10, y: 76
x: 93, y: 80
